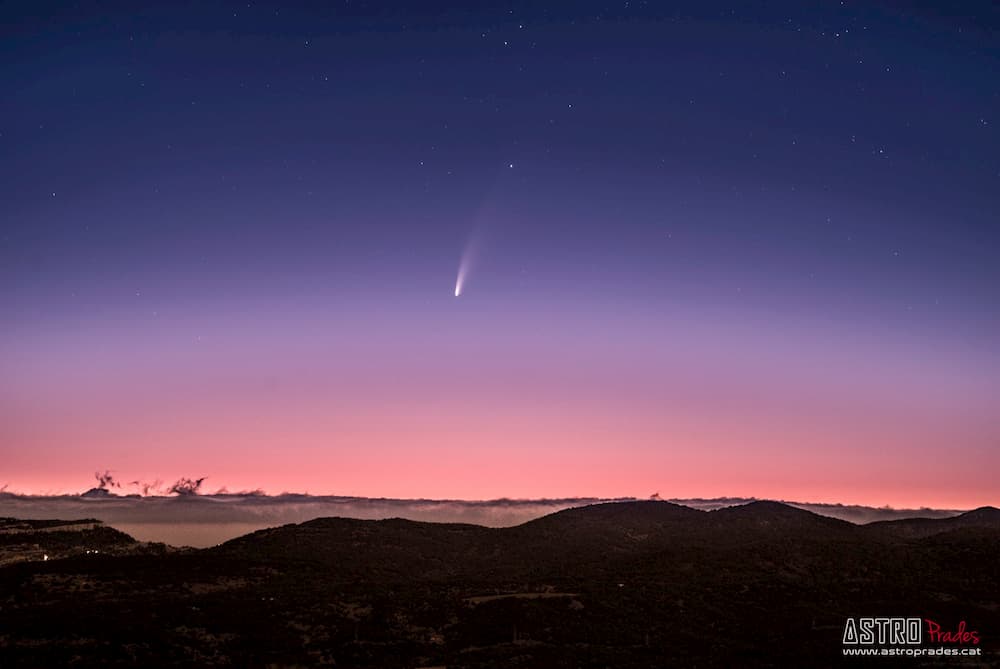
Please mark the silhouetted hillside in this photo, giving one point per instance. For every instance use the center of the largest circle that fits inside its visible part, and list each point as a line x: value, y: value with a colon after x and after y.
x: 637, y: 584
x: 33, y: 540
x: 986, y: 517
x: 380, y: 548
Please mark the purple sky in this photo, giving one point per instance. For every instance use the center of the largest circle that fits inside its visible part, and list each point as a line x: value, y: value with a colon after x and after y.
x: 717, y: 251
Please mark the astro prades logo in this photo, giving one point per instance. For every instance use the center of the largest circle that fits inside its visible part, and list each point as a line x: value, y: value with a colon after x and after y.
x: 905, y: 636
x: 883, y: 631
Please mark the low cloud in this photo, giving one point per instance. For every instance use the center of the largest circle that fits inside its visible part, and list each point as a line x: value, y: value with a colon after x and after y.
x: 106, y: 481
x: 148, y: 488
x: 185, y: 486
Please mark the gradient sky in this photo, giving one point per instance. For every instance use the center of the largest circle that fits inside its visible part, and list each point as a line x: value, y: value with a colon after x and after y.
x: 712, y: 249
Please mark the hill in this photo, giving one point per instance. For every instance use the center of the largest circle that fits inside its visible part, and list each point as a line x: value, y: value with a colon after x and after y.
x: 636, y: 584
x: 984, y: 518
x: 41, y: 540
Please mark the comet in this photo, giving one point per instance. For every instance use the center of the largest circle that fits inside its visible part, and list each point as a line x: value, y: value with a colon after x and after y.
x: 460, y: 279
x: 465, y: 263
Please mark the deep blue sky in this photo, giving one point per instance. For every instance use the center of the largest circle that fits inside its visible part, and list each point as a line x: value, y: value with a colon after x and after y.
x: 783, y: 167
x: 828, y: 148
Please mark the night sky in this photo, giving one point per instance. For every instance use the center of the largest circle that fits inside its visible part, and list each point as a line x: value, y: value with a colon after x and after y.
x: 707, y: 249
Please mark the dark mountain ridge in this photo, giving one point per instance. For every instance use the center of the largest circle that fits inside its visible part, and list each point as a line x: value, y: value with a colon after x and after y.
x: 613, y: 526
x: 985, y: 517
x: 633, y: 584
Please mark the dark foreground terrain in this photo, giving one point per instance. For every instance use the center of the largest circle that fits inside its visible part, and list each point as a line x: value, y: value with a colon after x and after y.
x: 636, y: 584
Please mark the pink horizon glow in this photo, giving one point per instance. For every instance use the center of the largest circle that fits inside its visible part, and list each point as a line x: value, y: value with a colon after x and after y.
x: 469, y: 410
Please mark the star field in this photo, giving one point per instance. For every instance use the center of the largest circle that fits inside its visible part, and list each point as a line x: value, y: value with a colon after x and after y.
x: 749, y: 249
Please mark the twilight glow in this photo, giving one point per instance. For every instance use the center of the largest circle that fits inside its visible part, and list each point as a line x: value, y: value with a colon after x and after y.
x: 701, y: 280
